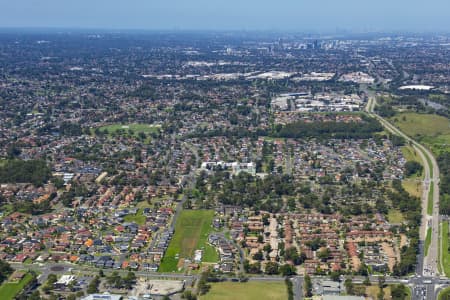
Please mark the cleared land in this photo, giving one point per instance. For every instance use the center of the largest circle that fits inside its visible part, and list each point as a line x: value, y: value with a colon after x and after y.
x: 191, y: 233
x: 247, y: 291
x: 9, y: 290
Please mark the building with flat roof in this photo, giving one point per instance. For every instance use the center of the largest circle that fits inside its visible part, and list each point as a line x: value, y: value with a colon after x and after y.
x: 104, y: 296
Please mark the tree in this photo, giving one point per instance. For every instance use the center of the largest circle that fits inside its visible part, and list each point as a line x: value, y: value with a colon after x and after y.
x: 93, y: 285
x: 398, y: 292
x: 71, y: 297
x: 188, y: 295
x: 349, y: 286
x: 5, y: 270
x: 271, y: 268
x: 323, y: 254
x: 308, y: 286
x: 287, y: 270
x: 258, y: 255
x: 203, y: 286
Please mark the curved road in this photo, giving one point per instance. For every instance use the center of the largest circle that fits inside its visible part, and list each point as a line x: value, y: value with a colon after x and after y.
x: 430, y: 262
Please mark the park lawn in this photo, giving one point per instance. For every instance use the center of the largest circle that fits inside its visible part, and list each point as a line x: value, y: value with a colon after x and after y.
x: 144, y: 204
x: 395, y: 216
x: 427, y: 241
x: 410, y: 154
x: 191, y: 233
x: 8, y: 290
x: 445, y: 252
x: 247, y: 291
x: 413, y: 187
x: 138, y: 218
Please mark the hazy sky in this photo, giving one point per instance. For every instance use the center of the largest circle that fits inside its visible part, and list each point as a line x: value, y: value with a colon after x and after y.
x: 296, y: 15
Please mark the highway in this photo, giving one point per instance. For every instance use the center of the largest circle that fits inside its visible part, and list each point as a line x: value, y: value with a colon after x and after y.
x: 427, y: 276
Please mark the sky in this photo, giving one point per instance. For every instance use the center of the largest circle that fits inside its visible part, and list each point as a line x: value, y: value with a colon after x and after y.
x: 282, y: 15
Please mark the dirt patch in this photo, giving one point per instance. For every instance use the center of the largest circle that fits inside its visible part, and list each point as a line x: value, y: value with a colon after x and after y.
x: 392, y: 255
x: 180, y: 263
x: 403, y: 240
x: 356, y: 263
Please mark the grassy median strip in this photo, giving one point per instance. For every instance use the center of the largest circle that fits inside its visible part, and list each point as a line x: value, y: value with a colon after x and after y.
x: 445, y: 252
x: 427, y: 241
x: 430, y: 199
x: 430, y: 164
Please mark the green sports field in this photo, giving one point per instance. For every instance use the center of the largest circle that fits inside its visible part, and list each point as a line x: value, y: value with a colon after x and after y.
x: 129, y: 129
x: 191, y: 233
x: 247, y: 291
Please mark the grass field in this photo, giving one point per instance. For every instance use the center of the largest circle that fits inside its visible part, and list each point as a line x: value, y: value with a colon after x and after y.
x: 247, y: 291
x: 420, y: 125
x: 9, y: 290
x: 373, y: 290
x: 427, y: 241
x: 138, y: 218
x: 191, y: 233
x: 125, y: 129
x: 445, y: 252
x: 395, y: 216
x: 413, y: 187
x: 410, y: 154
x: 430, y: 129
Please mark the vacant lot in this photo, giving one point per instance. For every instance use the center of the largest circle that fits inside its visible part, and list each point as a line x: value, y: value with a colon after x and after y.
x: 9, y: 290
x: 247, y: 291
x: 191, y: 233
